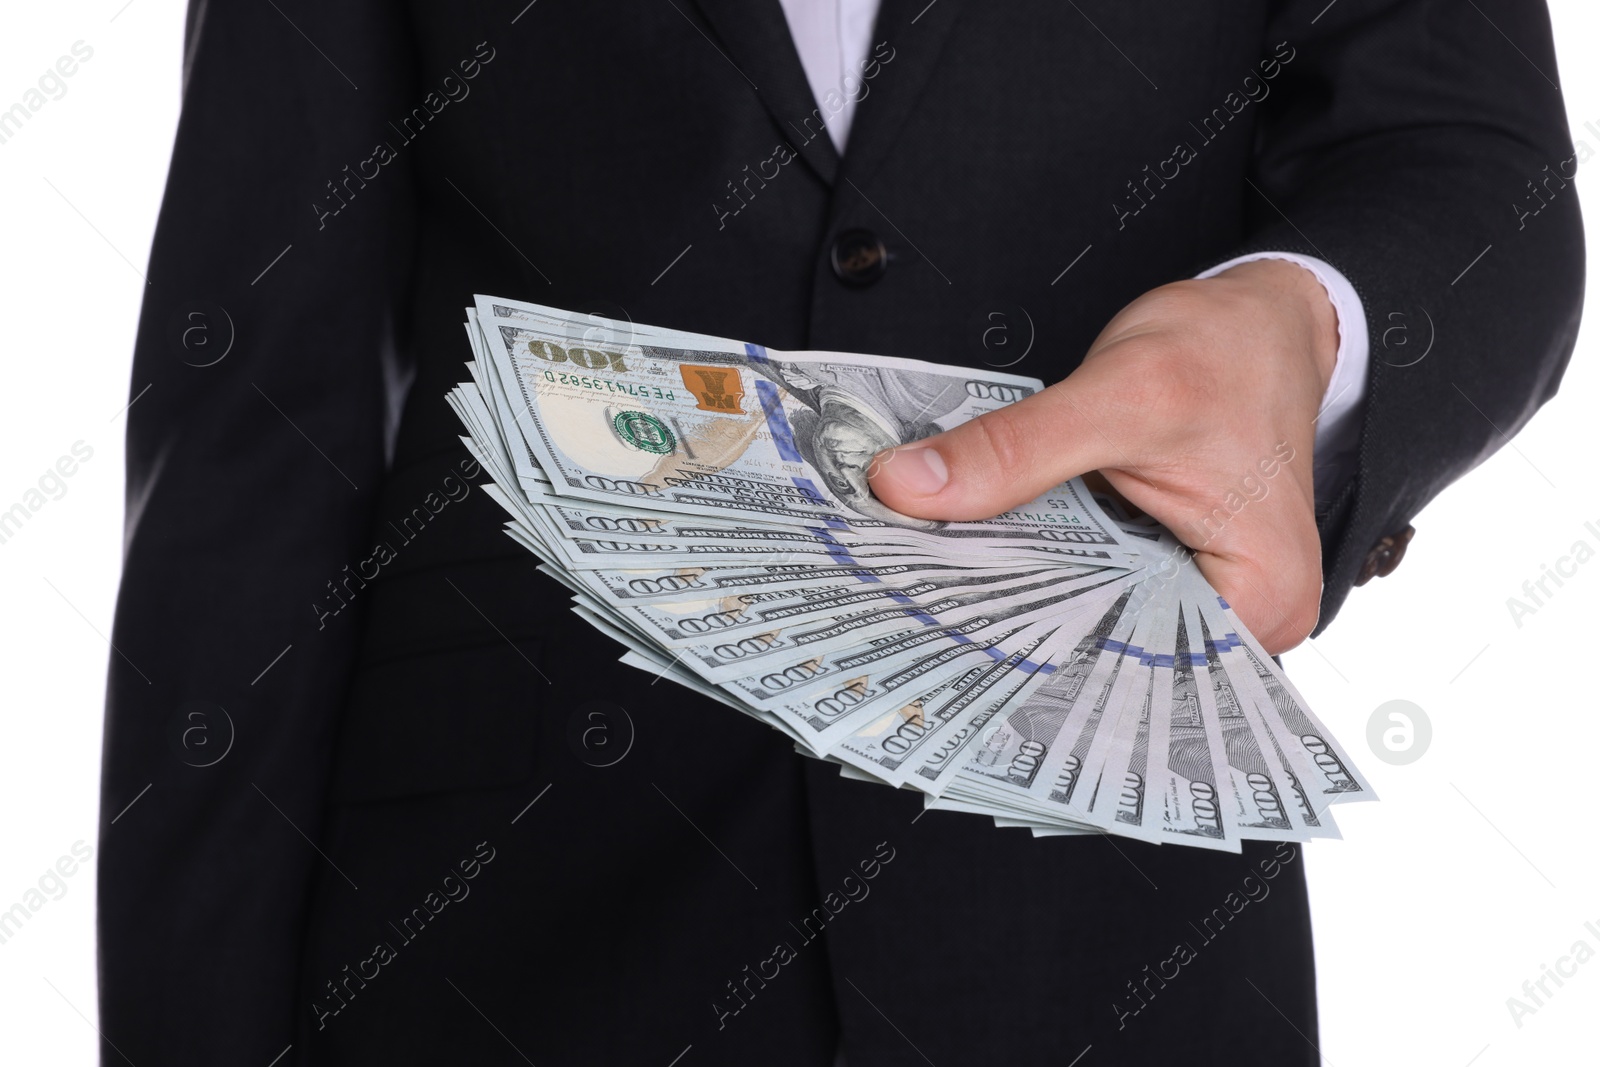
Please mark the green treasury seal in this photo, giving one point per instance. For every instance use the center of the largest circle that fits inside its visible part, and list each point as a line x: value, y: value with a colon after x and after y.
x: 644, y: 432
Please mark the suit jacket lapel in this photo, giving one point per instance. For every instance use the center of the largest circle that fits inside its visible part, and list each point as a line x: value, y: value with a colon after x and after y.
x: 754, y: 35
x: 916, y: 30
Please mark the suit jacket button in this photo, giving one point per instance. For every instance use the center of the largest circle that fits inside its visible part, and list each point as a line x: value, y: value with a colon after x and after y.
x: 859, y: 257
x: 1385, y: 556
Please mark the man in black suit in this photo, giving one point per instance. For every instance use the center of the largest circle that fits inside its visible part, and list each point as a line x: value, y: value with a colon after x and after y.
x: 417, y: 848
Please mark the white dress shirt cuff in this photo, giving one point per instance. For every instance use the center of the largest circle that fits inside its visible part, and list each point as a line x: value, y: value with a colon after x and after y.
x: 1339, y: 418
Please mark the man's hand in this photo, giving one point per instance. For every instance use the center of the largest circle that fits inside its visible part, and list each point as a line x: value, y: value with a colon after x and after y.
x: 1198, y: 403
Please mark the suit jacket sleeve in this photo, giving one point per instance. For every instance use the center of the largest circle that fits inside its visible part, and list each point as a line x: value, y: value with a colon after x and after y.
x: 255, y: 448
x: 1398, y: 144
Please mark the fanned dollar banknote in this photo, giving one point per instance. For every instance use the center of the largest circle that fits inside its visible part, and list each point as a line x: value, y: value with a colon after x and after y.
x: 1062, y: 667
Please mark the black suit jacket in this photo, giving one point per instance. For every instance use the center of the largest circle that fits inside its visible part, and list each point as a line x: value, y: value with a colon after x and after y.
x: 346, y: 176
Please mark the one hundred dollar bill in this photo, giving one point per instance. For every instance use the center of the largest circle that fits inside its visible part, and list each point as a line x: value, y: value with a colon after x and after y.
x: 1063, y: 667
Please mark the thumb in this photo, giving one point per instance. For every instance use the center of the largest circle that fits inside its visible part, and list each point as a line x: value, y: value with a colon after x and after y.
x: 1267, y: 565
x: 993, y: 463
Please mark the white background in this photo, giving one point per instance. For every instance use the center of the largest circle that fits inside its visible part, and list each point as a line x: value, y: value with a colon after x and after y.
x: 1475, y: 871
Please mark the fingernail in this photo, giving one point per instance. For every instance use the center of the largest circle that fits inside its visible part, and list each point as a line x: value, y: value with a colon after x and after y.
x: 921, y: 470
